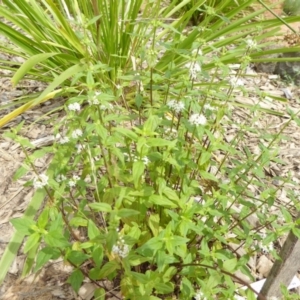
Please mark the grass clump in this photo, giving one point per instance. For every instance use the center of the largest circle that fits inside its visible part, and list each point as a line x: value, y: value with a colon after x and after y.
x: 144, y: 188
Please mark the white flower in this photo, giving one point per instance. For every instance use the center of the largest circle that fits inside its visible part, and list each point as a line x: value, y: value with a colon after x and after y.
x: 74, y: 106
x: 265, y: 248
x: 79, y: 147
x: 199, y: 296
x: 76, y: 177
x: 194, y: 69
x: 145, y: 160
x: 72, y: 183
x: 106, y: 106
x: 197, y: 119
x: 198, y: 199
x: 197, y: 52
x: 94, y: 100
x: 251, y: 44
x: 76, y: 133
x: 62, y: 139
x: 177, y: 106
x: 40, y: 181
x: 208, y: 107
x: 236, y: 82
x: 60, y: 177
x: 121, y: 249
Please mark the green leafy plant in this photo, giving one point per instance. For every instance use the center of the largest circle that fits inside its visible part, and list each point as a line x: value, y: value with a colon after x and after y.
x: 144, y: 186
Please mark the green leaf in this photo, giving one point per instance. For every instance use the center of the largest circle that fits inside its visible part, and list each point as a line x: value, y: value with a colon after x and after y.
x: 159, y: 142
x: 32, y: 240
x: 142, y: 278
x: 138, y: 169
x: 77, y: 257
x: 93, y: 230
x: 107, y: 269
x: 56, y: 239
x: 20, y: 172
x: 136, y: 260
x: 153, y: 223
x: 287, y: 216
x: 76, y: 280
x: 78, y: 221
x: 213, y: 280
x: 23, y: 225
x: 170, y: 193
x: 209, y: 176
x: 230, y: 264
x: 126, y: 212
x: 151, y: 124
x: 162, y: 201
x: 30, y: 259
x: 57, y: 82
x: 43, y: 218
x: 164, y: 288
x: 127, y: 133
x: 155, y: 243
x: 43, y: 257
x: 97, y: 255
x: 102, y: 132
x: 100, y: 207
x: 99, y: 294
x: 111, y: 238
x: 29, y: 64
x: 205, y: 157
x: 296, y: 232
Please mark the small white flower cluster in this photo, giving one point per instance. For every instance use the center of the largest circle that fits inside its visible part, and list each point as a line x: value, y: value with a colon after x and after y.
x: 144, y: 159
x: 108, y: 106
x: 171, y: 134
x: 74, y: 106
x: 62, y: 139
x: 40, y: 181
x: 197, y: 119
x: 79, y: 148
x: 209, y: 107
x: 236, y: 82
x: 120, y: 248
x: 265, y: 248
x: 94, y: 100
x: 251, y: 44
x: 60, y: 177
x: 73, y: 181
x: 194, y: 69
x: 65, y: 139
x: 199, y: 296
x: 177, y: 106
x: 76, y: 133
x: 197, y: 52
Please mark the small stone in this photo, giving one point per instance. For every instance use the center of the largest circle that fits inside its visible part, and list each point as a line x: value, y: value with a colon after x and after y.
x: 264, y: 266
x: 86, y: 292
